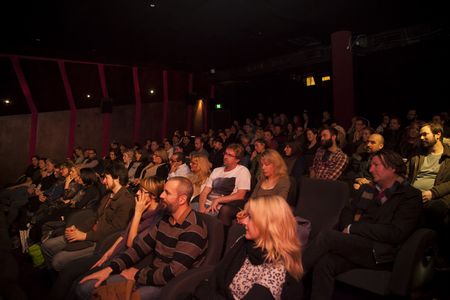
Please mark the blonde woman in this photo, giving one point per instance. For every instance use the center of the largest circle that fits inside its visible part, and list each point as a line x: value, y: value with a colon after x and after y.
x: 159, y: 167
x: 263, y: 263
x: 201, y: 169
x: 274, y: 179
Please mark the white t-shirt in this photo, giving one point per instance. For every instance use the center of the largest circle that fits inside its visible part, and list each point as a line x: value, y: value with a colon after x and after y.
x: 226, y: 183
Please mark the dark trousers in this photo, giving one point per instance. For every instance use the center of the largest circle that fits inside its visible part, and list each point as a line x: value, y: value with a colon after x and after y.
x: 331, y: 253
x: 436, y: 217
x: 68, y: 278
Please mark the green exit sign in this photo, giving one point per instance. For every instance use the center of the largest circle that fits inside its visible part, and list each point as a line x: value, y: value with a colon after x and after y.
x: 218, y: 106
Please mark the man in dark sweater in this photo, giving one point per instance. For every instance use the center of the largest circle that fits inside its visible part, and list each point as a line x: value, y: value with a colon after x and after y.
x: 178, y: 243
x: 113, y: 214
x: 373, y: 226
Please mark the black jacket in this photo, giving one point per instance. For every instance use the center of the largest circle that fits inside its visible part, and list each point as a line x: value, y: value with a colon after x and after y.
x: 388, y: 225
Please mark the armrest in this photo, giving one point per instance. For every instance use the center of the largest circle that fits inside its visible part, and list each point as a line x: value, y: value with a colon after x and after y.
x: 411, y: 267
x: 185, y: 283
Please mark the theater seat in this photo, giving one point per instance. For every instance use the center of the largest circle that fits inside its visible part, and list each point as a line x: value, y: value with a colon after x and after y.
x: 413, y: 268
x: 321, y: 201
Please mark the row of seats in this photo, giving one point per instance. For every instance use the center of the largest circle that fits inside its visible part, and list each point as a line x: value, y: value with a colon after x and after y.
x: 320, y: 202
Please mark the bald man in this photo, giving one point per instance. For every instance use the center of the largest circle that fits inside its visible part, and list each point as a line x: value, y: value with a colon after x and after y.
x: 361, y: 162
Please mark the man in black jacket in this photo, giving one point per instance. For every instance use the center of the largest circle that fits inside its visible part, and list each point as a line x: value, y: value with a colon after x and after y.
x: 372, y: 227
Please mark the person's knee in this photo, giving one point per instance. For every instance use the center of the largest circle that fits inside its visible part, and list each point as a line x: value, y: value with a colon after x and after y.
x: 59, y: 261
x: 84, y: 290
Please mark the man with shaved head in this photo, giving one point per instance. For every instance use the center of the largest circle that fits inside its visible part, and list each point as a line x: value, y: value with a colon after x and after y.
x: 360, y: 162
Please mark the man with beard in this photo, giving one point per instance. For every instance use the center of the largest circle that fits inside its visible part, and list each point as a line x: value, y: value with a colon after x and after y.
x: 177, y: 243
x: 113, y: 214
x: 430, y: 173
x: 329, y: 161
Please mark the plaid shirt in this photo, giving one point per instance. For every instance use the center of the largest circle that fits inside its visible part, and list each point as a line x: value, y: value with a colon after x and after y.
x: 329, y: 165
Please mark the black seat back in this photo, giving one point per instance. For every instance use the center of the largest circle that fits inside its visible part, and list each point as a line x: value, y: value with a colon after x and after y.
x: 321, y: 201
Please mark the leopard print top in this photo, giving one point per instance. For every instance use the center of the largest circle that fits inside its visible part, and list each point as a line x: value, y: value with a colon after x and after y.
x: 268, y: 275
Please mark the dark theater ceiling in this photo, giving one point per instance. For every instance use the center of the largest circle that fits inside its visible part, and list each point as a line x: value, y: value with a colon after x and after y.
x: 196, y: 34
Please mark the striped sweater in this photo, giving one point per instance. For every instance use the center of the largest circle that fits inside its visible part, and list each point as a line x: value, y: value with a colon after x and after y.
x: 176, y: 247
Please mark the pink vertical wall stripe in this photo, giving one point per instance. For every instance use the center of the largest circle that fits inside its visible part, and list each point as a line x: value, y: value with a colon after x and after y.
x: 165, y: 105
x: 106, y: 116
x: 138, y: 112
x: 73, y: 109
x: 34, y: 113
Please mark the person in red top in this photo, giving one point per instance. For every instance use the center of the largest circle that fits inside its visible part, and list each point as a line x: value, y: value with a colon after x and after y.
x: 329, y: 161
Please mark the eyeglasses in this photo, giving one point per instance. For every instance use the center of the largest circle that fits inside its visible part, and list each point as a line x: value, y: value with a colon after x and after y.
x: 228, y: 154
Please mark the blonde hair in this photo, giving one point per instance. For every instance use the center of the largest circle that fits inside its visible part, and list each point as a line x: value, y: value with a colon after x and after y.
x: 204, y: 169
x: 277, y: 232
x: 153, y: 185
x: 162, y: 154
x: 273, y: 157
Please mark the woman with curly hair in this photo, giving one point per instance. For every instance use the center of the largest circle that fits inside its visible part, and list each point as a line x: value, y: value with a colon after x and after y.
x: 265, y: 263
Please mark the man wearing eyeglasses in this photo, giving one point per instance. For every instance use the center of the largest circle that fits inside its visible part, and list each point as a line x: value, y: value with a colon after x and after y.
x: 226, y: 187
x: 178, y: 166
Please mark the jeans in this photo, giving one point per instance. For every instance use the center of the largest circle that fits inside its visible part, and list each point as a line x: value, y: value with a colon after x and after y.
x: 85, y: 289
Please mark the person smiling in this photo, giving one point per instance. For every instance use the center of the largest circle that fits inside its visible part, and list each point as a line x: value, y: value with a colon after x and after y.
x: 177, y: 242
x: 264, y: 263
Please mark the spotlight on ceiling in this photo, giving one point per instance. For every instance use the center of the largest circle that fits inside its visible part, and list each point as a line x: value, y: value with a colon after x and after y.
x: 152, y: 3
x: 151, y: 92
x: 7, y: 102
x: 88, y: 96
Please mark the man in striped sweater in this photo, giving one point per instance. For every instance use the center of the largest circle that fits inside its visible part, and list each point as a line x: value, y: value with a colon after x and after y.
x: 177, y: 243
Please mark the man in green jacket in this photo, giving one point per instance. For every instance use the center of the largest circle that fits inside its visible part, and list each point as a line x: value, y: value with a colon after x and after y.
x: 430, y: 173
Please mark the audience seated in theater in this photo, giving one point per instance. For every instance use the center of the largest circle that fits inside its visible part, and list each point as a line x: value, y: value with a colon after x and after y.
x: 263, y: 264
x: 437, y: 118
x: 178, y: 166
x: 329, y: 161
x: 358, y: 170
x: 81, y: 191
x: 199, y: 147
x: 77, y: 156
x: 270, y: 141
x: 216, y: 156
x: 255, y: 164
x: 159, y: 167
x: 226, y: 187
x: 295, y: 162
x: 91, y: 161
x: 171, y: 257
x: 141, y: 162
x: 430, y: 173
x: 128, y: 160
x: 274, y: 178
x: 248, y: 149
x: 371, y: 229
x: 410, y: 144
x: 187, y: 146
x: 365, y: 134
x: 14, y: 198
x: 147, y: 212
x: 279, y: 137
x: 354, y: 138
x: 393, y: 135
x: 342, y: 135
x: 201, y: 169
x: 168, y: 147
x: 310, y: 148
x: 384, y: 124
x: 113, y: 214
